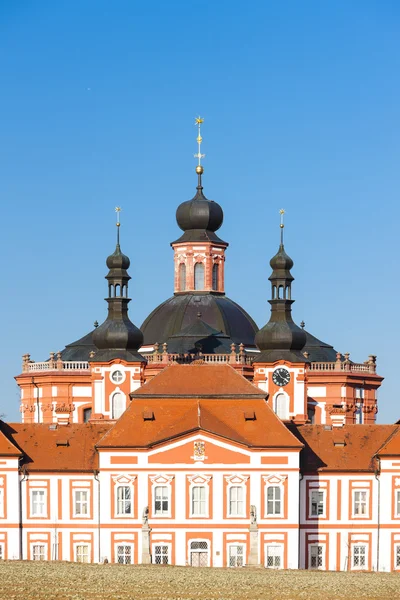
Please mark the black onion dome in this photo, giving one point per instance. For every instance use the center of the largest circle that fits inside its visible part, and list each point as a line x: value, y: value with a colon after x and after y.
x: 118, y: 260
x: 280, y: 335
x: 281, y: 261
x: 118, y: 332
x: 180, y: 311
x: 199, y: 213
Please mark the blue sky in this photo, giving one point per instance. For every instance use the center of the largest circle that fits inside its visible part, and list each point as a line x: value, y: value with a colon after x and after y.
x: 301, y: 105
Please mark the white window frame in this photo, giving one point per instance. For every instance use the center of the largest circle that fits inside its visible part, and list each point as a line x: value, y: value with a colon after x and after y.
x: 243, y: 488
x: 353, y: 503
x: 199, y: 481
x: 287, y: 404
x: 396, y: 556
x: 165, y: 544
x: 1, y: 550
x: 323, y: 553
x: 124, y: 544
x: 355, y: 545
x: 279, y: 547
x: 2, y: 500
x: 118, y: 370
x: 76, y: 491
x: 310, y: 503
x: 127, y: 515
x: 236, y: 545
x: 43, y: 491
x: 206, y: 509
x: 281, y: 491
x: 40, y: 543
x: 161, y: 513
x: 114, y: 393
x: 397, y: 503
x: 83, y: 544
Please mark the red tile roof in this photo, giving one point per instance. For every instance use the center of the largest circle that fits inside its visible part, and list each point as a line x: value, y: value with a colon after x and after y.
x: 176, y: 418
x: 355, y: 450
x: 42, y: 451
x: 7, y: 448
x: 392, y: 446
x: 198, y: 381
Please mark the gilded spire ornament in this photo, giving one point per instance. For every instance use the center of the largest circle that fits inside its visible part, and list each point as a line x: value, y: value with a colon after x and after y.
x: 282, y: 224
x: 199, y: 155
x: 118, y: 210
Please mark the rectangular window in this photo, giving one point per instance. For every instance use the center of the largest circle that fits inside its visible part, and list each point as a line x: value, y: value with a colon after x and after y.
x: 81, y: 503
x: 1, y: 551
x: 38, y: 499
x: 397, y: 556
x: 273, y: 500
x: 161, y: 500
x: 236, y: 555
x: 199, y: 500
x: 1, y: 502
x: 360, y: 393
x: 360, y: 503
x: 82, y: 553
x: 161, y: 554
x: 274, y: 556
x: 236, y: 501
x: 124, y: 554
x: 397, y: 503
x: 316, y: 557
x: 359, y: 557
x: 39, y: 552
x: 317, y: 503
x: 124, y: 500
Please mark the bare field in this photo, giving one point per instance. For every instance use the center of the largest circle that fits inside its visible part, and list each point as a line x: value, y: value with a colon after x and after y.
x: 71, y: 581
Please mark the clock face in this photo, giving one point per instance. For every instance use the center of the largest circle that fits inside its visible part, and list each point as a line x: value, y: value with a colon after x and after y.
x: 281, y: 376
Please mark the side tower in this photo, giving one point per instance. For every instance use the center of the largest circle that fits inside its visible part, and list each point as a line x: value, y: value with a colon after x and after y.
x: 280, y: 367
x: 117, y: 368
x: 92, y: 377
x: 308, y: 380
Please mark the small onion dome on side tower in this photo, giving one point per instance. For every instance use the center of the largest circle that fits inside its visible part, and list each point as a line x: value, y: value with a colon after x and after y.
x: 281, y: 338
x: 117, y: 337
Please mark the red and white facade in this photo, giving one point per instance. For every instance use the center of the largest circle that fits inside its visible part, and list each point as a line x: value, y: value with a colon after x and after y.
x: 213, y: 480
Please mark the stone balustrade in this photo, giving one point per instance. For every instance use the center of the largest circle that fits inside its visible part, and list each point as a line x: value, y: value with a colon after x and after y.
x: 53, y: 364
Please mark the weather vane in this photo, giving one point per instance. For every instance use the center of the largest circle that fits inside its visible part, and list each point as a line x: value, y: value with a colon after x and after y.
x: 199, y: 155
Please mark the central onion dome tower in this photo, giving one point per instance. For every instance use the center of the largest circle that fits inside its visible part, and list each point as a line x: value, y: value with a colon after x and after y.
x: 199, y: 303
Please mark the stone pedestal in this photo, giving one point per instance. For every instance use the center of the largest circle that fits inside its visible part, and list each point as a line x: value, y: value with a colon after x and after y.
x: 253, y: 556
x: 146, y: 555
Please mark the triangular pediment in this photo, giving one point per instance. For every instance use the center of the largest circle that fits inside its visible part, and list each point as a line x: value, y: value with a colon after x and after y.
x: 199, y: 450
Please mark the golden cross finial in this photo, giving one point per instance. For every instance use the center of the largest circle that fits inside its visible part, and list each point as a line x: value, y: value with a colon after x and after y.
x: 199, y: 155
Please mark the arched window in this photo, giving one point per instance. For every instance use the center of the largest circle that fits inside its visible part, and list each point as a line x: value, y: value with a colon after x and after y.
x: 281, y: 407
x: 215, y: 276
x: 182, y: 277
x: 118, y: 405
x: 87, y: 413
x: 281, y: 292
x: 288, y: 292
x: 117, y: 290
x: 199, y: 276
